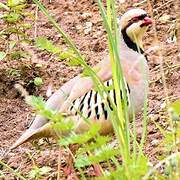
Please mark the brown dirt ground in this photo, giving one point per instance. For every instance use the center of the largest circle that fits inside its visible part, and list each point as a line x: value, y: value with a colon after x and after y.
x: 15, y: 114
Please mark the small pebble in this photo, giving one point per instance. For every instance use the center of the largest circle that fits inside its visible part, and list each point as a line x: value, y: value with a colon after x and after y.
x: 165, y: 18
x: 79, y: 28
x: 88, y: 27
x: 86, y: 15
x: 155, y: 142
x: 153, y: 117
x: 163, y: 105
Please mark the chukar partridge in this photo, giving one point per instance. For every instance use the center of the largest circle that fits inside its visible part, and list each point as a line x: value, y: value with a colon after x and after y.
x: 78, y: 93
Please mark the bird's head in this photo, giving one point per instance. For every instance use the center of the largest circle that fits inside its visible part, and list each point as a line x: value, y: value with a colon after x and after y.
x: 134, y: 24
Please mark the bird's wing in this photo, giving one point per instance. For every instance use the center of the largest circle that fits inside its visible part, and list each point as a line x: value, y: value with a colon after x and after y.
x: 84, y: 84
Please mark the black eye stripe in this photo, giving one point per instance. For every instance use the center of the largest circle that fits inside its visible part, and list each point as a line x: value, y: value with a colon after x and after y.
x: 141, y: 17
x: 137, y: 18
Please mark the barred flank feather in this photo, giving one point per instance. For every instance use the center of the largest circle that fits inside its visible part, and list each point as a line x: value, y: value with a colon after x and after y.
x: 91, y: 104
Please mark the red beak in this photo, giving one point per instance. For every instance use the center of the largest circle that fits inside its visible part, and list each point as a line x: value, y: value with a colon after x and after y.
x: 147, y: 21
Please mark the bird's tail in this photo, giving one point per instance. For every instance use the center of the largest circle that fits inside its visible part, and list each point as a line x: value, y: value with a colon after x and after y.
x: 32, y: 134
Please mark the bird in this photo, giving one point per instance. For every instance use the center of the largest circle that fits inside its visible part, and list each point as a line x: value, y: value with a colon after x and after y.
x: 78, y: 93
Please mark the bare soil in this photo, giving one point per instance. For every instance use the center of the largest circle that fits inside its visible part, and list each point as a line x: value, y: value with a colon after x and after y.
x: 15, y: 114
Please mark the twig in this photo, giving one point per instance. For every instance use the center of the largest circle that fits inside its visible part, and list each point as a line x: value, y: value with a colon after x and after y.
x: 140, y: 3
x: 59, y: 164
x: 164, y: 4
x: 35, y: 24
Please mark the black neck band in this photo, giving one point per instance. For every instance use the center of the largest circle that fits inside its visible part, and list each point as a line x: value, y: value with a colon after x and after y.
x: 129, y: 42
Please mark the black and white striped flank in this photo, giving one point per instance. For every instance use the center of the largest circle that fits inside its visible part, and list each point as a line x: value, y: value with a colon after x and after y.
x: 92, y: 106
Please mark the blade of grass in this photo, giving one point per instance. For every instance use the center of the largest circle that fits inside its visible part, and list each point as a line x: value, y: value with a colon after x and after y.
x: 12, y: 170
x: 121, y: 79
x: 111, y: 44
x: 121, y: 122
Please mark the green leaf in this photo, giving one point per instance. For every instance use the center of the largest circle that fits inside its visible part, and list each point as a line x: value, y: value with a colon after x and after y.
x: 37, y: 172
x: 2, y: 55
x: 3, y: 6
x: 174, y: 110
x: 63, y: 126
x: 81, y: 138
x: 13, y: 17
x: 113, y: 175
x: 16, y: 55
x: 103, y: 154
x: 20, y: 7
x: 12, y: 44
x: 26, y: 26
x: 36, y: 102
x: 2, y: 16
x: 99, y: 141
x: 139, y: 167
x: 66, y: 54
x: 44, y: 170
x: 47, y: 45
x: 12, y: 3
x: 82, y: 161
x: 34, y: 172
x: 40, y: 105
x: 38, y: 81
x: 74, y: 61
